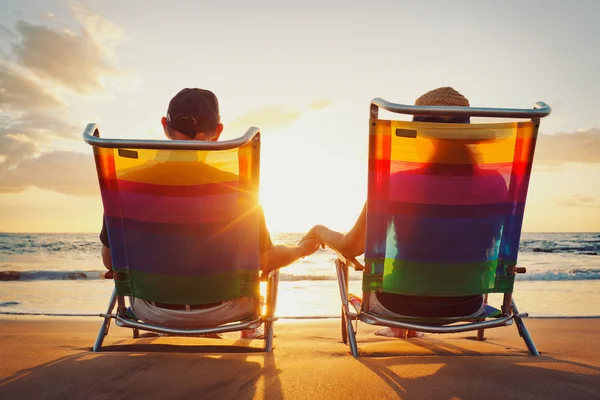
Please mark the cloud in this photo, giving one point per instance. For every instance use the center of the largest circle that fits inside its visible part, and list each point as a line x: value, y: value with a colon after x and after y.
x: 577, y: 147
x: 105, y: 32
x: 15, y: 148
x: 29, y: 115
x: 72, y: 60
x: 18, y: 92
x: 32, y: 117
x: 320, y: 104
x: 577, y: 200
x: 267, y: 118
x: 44, y: 126
x: 4, y: 31
x: 64, y: 172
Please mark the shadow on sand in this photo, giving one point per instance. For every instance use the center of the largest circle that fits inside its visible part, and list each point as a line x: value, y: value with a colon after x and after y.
x: 144, y: 369
x: 433, y: 368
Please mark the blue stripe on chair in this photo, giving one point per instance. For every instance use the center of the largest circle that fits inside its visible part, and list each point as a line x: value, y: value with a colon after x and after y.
x: 444, y: 240
x: 511, y: 236
x: 203, y: 249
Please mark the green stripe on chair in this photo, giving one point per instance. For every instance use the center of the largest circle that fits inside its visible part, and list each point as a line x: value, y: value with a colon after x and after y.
x: 429, y: 279
x: 190, y: 289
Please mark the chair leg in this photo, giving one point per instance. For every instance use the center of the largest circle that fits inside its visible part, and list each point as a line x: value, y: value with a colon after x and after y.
x: 106, y: 323
x: 352, y: 338
x: 481, y: 332
x: 268, y: 336
x: 272, y: 285
x: 480, y: 335
x: 342, y: 274
x: 523, y: 332
x: 344, y: 328
x: 136, y: 333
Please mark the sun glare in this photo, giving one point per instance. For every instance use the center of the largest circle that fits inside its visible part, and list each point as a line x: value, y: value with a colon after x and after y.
x: 312, y: 176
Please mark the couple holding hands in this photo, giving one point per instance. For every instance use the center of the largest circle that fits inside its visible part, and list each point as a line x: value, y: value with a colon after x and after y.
x: 193, y: 114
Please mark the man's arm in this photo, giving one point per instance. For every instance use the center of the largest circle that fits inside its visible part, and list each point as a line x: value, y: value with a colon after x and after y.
x: 106, y: 259
x: 280, y: 256
x: 105, y: 251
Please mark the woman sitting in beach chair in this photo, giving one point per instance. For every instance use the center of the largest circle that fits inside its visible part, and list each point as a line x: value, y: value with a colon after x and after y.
x: 410, y: 231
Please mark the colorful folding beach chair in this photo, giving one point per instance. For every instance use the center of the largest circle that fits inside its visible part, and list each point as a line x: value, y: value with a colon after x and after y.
x: 183, y: 226
x: 443, y: 224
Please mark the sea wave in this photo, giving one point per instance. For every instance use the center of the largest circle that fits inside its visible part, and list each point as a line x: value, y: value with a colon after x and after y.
x: 571, y: 274
x: 567, y: 274
x: 587, y: 251
x: 50, y: 275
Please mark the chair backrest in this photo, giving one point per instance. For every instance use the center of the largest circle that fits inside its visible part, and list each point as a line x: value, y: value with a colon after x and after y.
x: 182, y: 220
x: 445, y: 206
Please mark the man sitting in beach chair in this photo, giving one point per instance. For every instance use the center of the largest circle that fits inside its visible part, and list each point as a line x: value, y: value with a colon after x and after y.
x: 193, y: 114
x: 441, y: 225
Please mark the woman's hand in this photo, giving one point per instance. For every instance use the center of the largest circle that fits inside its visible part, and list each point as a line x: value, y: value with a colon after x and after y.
x: 313, y: 234
x: 308, y: 246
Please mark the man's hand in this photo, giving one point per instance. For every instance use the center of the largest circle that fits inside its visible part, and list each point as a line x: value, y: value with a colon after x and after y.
x: 313, y: 234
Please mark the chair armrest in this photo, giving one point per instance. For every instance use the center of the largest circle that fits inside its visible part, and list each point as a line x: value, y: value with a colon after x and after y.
x: 349, y: 261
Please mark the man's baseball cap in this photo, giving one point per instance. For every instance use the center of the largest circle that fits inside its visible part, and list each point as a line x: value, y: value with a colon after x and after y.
x: 192, y: 111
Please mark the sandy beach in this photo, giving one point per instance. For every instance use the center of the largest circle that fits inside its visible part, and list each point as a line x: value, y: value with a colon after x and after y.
x: 51, y: 358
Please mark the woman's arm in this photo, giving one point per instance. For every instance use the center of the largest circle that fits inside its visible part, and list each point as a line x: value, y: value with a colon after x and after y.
x: 279, y: 256
x: 351, y: 244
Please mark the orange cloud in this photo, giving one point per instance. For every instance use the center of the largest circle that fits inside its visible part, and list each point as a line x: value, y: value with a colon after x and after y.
x: 577, y: 147
x: 577, y: 200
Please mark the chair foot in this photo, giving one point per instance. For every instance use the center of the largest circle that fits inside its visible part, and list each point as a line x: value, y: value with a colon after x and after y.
x: 101, y: 334
x: 136, y: 333
x: 268, y: 336
x: 480, y: 335
x: 523, y: 332
x: 106, y: 323
x: 351, y: 338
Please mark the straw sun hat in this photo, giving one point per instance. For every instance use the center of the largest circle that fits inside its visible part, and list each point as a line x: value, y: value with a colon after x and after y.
x: 448, y: 96
x: 444, y: 96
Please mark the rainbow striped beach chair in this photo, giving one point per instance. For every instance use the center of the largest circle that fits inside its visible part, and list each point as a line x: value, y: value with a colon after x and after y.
x: 183, y: 226
x: 443, y: 223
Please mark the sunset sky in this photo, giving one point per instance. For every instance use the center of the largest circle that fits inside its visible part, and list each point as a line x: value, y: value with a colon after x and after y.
x: 304, y: 72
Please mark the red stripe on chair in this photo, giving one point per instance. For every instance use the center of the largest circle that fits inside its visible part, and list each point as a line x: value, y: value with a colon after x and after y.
x: 436, y: 189
x: 171, y: 190
x: 185, y: 209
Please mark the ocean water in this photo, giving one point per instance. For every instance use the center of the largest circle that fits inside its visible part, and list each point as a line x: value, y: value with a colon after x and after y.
x: 50, y: 274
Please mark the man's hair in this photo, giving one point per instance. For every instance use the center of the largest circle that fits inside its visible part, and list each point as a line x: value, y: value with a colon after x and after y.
x: 443, y: 96
x: 192, y: 111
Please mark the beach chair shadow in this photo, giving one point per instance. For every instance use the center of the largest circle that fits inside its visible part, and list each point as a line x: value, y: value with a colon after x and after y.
x: 192, y: 345
x: 465, y: 377
x: 183, y: 225
x: 445, y: 208
x: 150, y: 375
